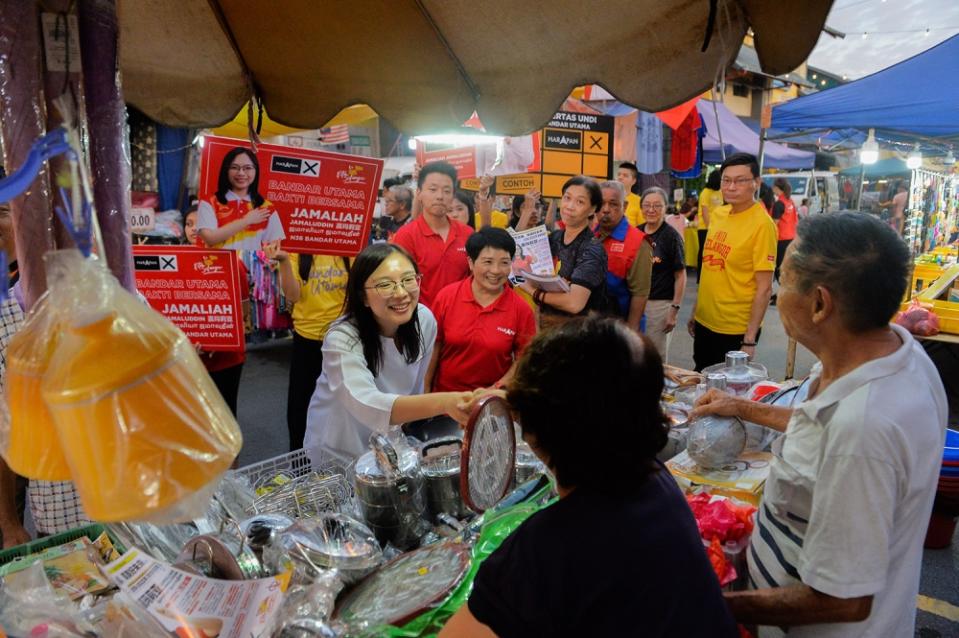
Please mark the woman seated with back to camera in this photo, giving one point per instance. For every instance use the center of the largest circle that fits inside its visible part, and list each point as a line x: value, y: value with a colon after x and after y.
x: 619, y: 553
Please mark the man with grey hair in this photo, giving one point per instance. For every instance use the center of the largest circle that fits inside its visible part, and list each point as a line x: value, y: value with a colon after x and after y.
x: 629, y: 255
x: 397, y: 212
x: 837, y: 547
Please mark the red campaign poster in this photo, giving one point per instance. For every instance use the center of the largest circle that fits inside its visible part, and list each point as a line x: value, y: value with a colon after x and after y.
x: 198, y: 289
x: 324, y: 200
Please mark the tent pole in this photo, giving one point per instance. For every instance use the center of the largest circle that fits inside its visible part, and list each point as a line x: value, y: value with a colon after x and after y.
x: 862, y: 178
x: 762, y: 149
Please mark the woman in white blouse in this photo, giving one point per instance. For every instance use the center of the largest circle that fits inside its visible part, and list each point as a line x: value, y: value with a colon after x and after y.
x: 375, y: 358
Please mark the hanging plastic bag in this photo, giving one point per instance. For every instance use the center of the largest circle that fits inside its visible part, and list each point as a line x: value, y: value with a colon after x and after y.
x: 145, y: 431
x: 31, y: 445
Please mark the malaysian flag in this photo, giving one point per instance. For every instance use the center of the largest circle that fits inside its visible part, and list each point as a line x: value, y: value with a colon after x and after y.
x: 336, y: 134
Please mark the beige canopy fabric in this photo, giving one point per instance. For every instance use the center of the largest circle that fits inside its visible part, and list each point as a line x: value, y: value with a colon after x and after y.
x: 426, y: 65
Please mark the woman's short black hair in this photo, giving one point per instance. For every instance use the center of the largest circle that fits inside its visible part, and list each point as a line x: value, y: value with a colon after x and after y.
x: 408, y: 338
x: 713, y: 181
x: 489, y: 237
x: 862, y: 261
x: 591, y: 186
x: 467, y: 200
x: 587, y: 394
x: 223, y: 181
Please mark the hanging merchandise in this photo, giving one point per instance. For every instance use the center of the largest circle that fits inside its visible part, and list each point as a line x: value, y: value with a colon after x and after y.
x: 649, y: 144
x: 687, y: 143
x: 31, y: 446
x: 145, y: 432
x: 266, y: 295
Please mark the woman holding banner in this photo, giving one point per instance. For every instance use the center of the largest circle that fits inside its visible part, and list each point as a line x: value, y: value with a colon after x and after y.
x: 375, y: 359
x: 237, y: 217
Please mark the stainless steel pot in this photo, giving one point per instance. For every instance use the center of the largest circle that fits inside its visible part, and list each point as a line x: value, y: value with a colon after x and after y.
x: 392, y: 500
x: 441, y: 469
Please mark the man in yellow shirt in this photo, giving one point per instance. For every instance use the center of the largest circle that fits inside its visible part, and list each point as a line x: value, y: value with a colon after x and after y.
x: 739, y: 258
x: 628, y: 175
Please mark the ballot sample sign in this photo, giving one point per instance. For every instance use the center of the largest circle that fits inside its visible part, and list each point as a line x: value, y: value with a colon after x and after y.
x: 324, y: 200
x: 570, y: 144
x: 198, y: 289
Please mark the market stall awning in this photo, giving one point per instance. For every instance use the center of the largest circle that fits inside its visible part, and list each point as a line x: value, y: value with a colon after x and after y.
x: 918, y: 96
x: 427, y: 65
x: 739, y: 138
x: 239, y: 127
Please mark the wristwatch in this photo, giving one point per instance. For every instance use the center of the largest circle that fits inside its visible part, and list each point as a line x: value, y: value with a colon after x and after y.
x: 675, y: 306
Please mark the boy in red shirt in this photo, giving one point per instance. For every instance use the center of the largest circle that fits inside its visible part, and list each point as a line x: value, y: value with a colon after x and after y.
x: 436, y: 243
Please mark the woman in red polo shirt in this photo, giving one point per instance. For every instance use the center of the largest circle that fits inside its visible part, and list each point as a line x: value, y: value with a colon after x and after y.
x: 482, y: 325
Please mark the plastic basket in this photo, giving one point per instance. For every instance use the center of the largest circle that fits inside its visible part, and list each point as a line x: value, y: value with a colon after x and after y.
x: 923, y: 274
x: 34, y: 547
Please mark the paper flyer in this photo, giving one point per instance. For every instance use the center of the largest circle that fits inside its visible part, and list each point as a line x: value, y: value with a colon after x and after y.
x: 532, y: 252
x: 197, y: 607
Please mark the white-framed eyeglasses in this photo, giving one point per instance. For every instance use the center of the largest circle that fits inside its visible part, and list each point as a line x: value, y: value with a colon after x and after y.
x: 386, y: 289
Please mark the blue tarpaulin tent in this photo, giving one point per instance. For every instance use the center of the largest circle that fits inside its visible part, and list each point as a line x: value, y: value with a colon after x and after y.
x: 739, y: 138
x: 918, y: 96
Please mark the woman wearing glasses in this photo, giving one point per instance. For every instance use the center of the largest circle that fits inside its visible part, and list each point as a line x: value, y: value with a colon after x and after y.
x: 375, y: 359
x: 668, y: 283
x: 237, y: 217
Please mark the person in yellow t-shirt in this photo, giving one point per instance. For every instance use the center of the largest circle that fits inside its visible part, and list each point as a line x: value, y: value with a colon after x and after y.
x: 710, y: 199
x: 628, y: 175
x: 316, y: 286
x: 739, y: 258
x: 485, y: 213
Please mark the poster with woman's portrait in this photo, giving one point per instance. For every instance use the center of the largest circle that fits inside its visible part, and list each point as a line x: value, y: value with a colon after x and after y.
x: 313, y: 202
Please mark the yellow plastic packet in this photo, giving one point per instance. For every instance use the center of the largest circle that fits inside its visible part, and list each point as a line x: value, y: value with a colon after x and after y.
x: 31, y: 446
x: 145, y: 432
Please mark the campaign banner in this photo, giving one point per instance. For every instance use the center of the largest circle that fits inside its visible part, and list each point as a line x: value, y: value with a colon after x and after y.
x: 198, y: 289
x: 570, y: 144
x: 324, y: 200
x: 504, y: 156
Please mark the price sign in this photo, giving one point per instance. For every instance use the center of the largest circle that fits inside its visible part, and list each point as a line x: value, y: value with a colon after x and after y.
x: 142, y: 219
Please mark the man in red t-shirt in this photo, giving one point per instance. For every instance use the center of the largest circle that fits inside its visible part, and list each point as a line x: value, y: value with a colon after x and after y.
x: 436, y: 243
x: 482, y: 324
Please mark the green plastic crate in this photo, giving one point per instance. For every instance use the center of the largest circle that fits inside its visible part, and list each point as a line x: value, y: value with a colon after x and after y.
x: 33, y: 547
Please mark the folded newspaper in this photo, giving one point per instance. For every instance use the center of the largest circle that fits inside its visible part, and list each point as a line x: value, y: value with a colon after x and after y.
x: 534, y: 260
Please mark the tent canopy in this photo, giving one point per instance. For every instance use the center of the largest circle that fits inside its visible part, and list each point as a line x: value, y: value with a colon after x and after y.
x: 917, y: 96
x: 427, y: 65
x: 739, y: 138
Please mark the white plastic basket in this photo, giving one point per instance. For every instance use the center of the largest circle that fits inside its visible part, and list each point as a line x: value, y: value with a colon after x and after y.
x: 296, y: 465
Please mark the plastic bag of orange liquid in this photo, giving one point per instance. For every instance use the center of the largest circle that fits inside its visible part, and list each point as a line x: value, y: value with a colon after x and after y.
x: 145, y: 432
x: 30, y: 443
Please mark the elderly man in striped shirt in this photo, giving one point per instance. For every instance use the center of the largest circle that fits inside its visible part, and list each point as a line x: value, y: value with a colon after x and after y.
x: 837, y: 548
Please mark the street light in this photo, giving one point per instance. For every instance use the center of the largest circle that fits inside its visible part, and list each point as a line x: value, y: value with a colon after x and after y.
x: 914, y: 160
x: 869, y: 154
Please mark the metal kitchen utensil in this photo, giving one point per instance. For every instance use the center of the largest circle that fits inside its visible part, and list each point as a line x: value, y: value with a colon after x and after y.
x: 441, y: 460
x: 405, y: 587
x: 391, y: 493
x: 489, y: 454
x: 334, y: 541
x: 715, y: 441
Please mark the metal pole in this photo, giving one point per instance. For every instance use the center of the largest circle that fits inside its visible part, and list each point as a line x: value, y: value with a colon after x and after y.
x: 762, y: 149
x: 862, y: 179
